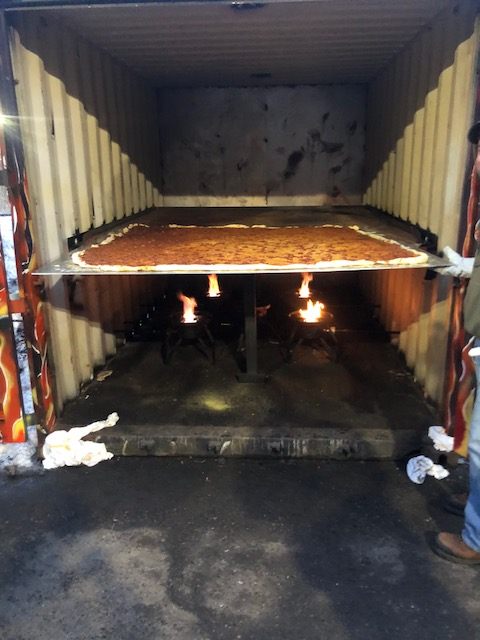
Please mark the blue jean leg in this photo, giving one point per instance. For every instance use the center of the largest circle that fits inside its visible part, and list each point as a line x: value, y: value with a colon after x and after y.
x: 471, y: 531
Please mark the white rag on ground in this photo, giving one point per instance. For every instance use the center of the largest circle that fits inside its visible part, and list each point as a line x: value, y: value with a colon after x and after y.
x: 66, y: 448
x: 421, y: 466
x: 441, y: 440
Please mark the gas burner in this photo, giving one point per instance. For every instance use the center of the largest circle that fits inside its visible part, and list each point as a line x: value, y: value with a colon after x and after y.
x: 195, y: 333
x: 214, y: 304
x: 319, y: 334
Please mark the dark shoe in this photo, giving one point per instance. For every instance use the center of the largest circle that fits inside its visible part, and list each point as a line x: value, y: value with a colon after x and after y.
x: 456, y: 503
x: 450, y: 546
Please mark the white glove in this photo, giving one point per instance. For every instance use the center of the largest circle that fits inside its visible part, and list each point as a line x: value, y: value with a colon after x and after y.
x: 460, y: 267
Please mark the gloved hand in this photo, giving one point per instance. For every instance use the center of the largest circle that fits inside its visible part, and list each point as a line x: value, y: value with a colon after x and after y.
x: 460, y: 267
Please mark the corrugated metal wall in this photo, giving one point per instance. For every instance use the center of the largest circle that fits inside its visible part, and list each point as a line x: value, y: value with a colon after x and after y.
x: 419, y: 111
x: 92, y: 156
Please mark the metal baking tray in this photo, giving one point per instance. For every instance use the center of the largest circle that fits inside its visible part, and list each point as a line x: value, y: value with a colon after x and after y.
x: 365, y: 218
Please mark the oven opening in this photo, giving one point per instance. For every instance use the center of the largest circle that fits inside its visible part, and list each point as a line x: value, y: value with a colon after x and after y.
x: 332, y: 382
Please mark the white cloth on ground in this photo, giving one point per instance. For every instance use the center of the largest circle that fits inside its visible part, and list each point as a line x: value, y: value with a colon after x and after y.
x: 66, y: 448
x: 441, y: 440
x: 421, y: 466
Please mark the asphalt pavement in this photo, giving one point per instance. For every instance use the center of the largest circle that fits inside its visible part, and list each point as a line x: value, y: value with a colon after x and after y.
x: 192, y: 549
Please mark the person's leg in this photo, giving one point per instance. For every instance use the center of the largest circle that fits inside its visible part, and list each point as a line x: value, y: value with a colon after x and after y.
x: 465, y: 549
x: 471, y: 531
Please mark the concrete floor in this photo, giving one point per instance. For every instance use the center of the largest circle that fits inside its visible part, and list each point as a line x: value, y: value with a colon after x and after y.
x: 207, y: 550
x: 369, y: 389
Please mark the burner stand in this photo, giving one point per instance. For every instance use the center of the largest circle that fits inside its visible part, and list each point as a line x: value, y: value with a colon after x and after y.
x: 318, y: 335
x: 196, y: 334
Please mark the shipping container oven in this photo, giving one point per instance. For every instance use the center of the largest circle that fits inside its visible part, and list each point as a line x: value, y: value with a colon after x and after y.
x: 204, y: 121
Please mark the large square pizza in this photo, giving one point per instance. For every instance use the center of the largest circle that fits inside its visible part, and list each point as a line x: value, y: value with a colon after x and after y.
x: 157, y: 248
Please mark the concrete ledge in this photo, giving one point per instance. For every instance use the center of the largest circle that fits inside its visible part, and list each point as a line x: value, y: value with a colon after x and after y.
x: 326, y: 443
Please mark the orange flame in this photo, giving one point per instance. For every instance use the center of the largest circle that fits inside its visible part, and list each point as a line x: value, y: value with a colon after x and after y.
x: 213, y: 288
x: 313, y: 312
x: 304, y: 291
x: 189, y: 305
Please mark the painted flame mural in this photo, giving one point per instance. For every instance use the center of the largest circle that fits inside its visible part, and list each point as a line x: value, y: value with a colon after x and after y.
x: 12, y: 425
x: 30, y: 306
x: 34, y: 318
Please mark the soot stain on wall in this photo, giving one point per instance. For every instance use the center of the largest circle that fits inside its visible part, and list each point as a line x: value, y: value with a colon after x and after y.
x: 294, y: 159
x: 241, y: 164
x: 352, y: 127
x: 267, y: 142
x: 336, y: 169
x: 331, y: 147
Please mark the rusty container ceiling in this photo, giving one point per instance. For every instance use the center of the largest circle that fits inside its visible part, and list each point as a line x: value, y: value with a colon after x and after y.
x: 250, y: 43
